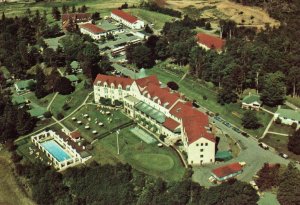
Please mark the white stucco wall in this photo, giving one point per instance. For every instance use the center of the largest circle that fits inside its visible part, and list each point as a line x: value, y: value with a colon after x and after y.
x: 201, y: 151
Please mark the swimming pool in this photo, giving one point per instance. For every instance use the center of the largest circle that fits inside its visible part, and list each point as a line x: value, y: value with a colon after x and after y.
x: 55, y: 150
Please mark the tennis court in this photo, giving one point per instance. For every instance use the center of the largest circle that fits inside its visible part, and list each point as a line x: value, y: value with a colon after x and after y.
x: 143, y: 135
x: 55, y: 150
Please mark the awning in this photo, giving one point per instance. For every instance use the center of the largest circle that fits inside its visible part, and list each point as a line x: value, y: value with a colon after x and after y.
x: 151, y: 111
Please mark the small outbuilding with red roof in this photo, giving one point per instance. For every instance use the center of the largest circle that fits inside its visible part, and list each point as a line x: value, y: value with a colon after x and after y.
x: 208, y: 42
x: 92, y: 30
x: 228, y: 171
x: 127, y: 19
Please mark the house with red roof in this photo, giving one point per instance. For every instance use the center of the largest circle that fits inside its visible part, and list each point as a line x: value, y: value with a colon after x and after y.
x: 208, y: 42
x: 76, y: 18
x: 127, y: 19
x: 92, y: 30
x: 162, y: 111
x: 228, y: 171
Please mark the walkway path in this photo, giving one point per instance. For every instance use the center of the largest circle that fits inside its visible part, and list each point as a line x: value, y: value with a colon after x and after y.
x: 267, y: 128
x: 291, y: 105
x: 48, y: 107
x: 268, y: 111
x: 57, y: 121
x: 277, y: 133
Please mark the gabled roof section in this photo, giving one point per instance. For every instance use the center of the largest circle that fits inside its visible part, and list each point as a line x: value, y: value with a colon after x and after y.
x: 109, y: 79
x: 143, y: 82
x: 92, y: 28
x: 251, y: 99
x: 289, y: 114
x: 210, y: 41
x: 171, y: 124
x: 227, y: 170
x: 195, y: 123
x: 75, y: 134
x: 126, y: 16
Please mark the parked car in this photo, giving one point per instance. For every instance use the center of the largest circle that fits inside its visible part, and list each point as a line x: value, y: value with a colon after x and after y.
x: 227, y: 124
x: 236, y: 129
x: 263, y: 145
x: 245, y: 134
x: 285, y: 156
x: 218, y: 118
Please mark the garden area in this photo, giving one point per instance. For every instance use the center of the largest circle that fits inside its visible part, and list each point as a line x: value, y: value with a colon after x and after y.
x: 149, y: 158
x: 92, y: 118
x: 206, y: 95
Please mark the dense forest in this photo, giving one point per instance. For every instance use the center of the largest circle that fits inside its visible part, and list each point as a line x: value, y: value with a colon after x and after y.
x: 120, y: 184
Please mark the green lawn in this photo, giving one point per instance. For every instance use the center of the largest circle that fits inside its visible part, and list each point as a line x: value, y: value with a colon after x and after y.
x: 103, y: 6
x: 118, y: 118
x: 194, y: 89
x: 295, y: 100
x: 158, y: 19
x: 43, y: 102
x: 74, y: 100
x: 148, y: 158
x: 285, y: 129
x: 280, y: 143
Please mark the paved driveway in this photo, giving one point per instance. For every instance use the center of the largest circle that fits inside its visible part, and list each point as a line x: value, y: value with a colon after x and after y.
x: 252, y: 154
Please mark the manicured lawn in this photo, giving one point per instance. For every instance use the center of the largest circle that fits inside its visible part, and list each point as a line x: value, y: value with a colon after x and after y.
x: 148, y: 158
x: 118, y: 118
x: 280, y: 143
x: 23, y: 149
x: 158, y: 19
x: 41, y: 102
x: 74, y: 100
x: 280, y: 128
x: 103, y: 6
x: 295, y: 100
x: 194, y: 89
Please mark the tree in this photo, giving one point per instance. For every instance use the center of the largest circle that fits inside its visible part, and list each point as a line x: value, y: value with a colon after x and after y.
x: 268, y: 177
x: 56, y: 13
x: 226, y: 96
x: 172, y: 85
x: 141, y: 55
x: 96, y: 16
x: 294, y: 142
x: 250, y: 120
x: 148, y: 29
x: 73, y: 9
x: 208, y: 26
x: 273, y: 92
x: 288, y: 191
x: 228, y: 193
x: 63, y: 86
x: 40, y: 90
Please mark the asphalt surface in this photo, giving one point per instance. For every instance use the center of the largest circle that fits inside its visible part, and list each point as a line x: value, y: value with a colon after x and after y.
x: 251, y: 153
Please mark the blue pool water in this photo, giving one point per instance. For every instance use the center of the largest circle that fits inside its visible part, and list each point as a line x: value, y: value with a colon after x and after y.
x: 55, y: 150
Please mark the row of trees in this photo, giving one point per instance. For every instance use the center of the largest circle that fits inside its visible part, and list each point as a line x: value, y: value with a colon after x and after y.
x: 120, y: 184
x: 56, y: 13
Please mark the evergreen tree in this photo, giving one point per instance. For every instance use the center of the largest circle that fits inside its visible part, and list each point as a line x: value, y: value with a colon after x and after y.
x: 250, y: 120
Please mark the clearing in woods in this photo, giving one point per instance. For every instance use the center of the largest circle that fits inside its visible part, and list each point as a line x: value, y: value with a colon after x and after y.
x: 224, y: 9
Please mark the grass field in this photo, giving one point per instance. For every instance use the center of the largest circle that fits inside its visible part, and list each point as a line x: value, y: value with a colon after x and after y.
x: 158, y: 19
x: 73, y: 100
x: 10, y: 192
x: 101, y: 6
x: 280, y: 143
x: 194, y: 89
x: 284, y: 129
x: 148, y: 158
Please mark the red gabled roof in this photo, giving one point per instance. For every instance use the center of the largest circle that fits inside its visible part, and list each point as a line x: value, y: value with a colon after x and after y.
x: 92, y: 28
x: 210, y: 41
x: 163, y: 95
x: 126, y: 16
x: 143, y: 82
x: 113, y: 79
x: 227, y: 170
x: 171, y: 124
x: 75, y: 134
x: 195, y: 123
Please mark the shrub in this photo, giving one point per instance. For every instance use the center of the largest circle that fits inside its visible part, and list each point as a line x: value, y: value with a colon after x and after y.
x: 60, y: 116
x: 162, y: 137
x: 204, y: 97
x: 15, y: 157
x: 48, y: 114
x: 105, y: 101
x: 66, y: 106
x: 118, y: 103
x: 294, y: 125
x: 278, y: 121
x: 172, y: 85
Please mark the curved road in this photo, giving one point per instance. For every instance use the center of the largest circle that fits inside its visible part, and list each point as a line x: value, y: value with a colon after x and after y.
x: 252, y: 154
